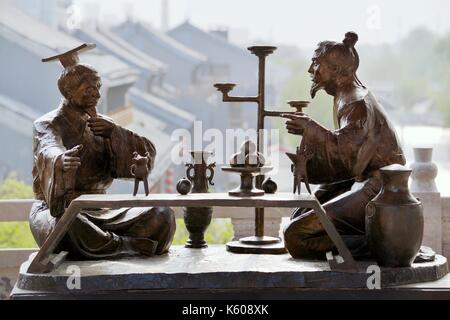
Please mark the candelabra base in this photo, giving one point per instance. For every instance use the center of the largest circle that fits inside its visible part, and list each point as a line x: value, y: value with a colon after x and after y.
x: 257, y: 245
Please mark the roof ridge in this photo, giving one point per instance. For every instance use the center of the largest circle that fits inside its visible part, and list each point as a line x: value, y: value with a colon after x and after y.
x: 172, y: 42
x: 170, y: 107
x: 207, y: 34
x: 131, y: 49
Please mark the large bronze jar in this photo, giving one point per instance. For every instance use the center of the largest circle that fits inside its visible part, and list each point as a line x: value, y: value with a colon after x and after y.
x: 394, y: 220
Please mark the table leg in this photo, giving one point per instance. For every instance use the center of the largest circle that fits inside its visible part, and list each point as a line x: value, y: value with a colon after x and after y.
x: 349, y: 263
x: 42, y: 262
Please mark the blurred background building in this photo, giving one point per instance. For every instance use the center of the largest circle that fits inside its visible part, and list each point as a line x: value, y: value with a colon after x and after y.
x: 154, y: 81
x: 158, y: 75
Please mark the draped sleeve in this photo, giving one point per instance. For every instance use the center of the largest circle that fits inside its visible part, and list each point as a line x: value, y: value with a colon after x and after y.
x: 123, y: 144
x: 345, y: 153
x: 48, y: 176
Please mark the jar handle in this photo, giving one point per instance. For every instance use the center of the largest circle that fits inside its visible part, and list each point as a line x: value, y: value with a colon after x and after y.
x: 211, y: 173
x: 370, y: 210
x: 189, y: 167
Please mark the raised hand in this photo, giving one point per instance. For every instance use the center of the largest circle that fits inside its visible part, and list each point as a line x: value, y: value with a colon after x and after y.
x: 71, y: 159
x: 101, y: 127
x: 297, y: 122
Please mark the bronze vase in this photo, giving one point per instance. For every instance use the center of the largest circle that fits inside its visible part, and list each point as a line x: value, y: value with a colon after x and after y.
x: 394, y: 220
x: 197, y: 220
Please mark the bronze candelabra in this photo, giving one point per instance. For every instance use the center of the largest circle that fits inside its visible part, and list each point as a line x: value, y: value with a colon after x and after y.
x: 259, y: 243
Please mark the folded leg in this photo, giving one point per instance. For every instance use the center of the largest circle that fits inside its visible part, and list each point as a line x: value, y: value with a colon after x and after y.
x: 305, y: 236
x: 157, y: 224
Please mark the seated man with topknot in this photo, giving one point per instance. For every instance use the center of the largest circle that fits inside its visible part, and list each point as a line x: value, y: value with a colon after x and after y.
x: 77, y: 152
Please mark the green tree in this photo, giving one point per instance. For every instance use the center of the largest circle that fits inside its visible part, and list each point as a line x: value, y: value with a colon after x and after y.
x: 219, y: 232
x: 11, y: 188
x: 15, y: 234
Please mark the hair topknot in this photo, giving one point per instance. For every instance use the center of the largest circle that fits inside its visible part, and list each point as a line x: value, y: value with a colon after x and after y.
x: 350, y: 39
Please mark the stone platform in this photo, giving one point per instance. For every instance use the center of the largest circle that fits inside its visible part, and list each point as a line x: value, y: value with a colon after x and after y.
x: 214, y: 273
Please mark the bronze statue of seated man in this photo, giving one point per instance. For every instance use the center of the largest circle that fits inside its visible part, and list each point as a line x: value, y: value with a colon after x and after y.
x: 345, y: 161
x: 78, y: 152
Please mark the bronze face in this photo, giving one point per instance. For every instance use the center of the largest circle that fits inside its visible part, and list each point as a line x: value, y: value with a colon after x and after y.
x: 87, y: 95
x: 322, y: 74
x: 334, y: 65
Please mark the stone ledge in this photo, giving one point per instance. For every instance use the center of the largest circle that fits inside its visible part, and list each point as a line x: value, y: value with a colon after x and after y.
x: 214, y: 269
x: 248, y: 294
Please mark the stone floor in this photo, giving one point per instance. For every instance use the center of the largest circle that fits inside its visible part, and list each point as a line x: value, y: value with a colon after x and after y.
x: 191, y: 271
x: 7, y: 280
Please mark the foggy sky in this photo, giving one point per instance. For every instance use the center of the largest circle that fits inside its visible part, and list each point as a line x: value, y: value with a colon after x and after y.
x: 295, y: 22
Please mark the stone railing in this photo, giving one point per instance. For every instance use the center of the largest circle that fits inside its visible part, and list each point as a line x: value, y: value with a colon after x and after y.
x: 436, y: 209
x: 436, y: 214
x: 14, y: 211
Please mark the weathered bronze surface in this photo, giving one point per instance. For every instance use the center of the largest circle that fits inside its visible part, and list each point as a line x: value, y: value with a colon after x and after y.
x: 269, y: 186
x: 198, y: 219
x: 247, y: 187
x: 248, y: 156
x: 299, y: 162
x: 76, y: 152
x: 184, y: 186
x: 301, y: 157
x: 43, y: 259
x: 215, y: 270
x: 225, y: 88
x: 249, y: 163
x: 345, y: 161
x: 394, y: 220
x: 140, y: 171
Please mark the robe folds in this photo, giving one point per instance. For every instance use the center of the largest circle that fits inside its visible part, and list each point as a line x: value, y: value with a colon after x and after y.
x: 102, y: 161
x: 345, y: 163
x: 365, y: 142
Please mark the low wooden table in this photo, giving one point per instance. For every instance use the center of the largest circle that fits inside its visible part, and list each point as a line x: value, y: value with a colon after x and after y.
x: 45, y: 261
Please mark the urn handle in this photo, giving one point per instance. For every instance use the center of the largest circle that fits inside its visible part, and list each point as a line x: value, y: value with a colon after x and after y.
x: 189, y: 167
x: 211, y: 173
x: 370, y: 210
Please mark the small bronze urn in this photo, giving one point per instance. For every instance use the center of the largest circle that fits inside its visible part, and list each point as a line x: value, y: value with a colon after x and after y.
x: 197, y: 220
x: 394, y: 220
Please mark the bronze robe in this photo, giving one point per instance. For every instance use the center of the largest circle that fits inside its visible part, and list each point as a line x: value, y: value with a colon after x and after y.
x: 365, y: 142
x: 102, y: 160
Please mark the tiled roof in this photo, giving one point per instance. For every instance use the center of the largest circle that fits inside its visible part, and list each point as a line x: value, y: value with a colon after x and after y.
x: 207, y: 36
x: 133, y: 50
x: 161, y: 39
x: 16, y: 115
x: 39, y: 38
x: 109, y: 44
x: 162, y: 108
